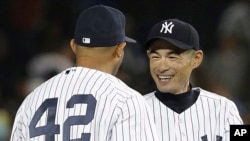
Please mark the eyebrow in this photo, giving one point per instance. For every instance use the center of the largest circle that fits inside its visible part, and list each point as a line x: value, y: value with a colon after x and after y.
x: 171, y: 51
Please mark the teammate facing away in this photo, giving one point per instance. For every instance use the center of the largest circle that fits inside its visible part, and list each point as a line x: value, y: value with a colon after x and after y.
x: 182, y: 112
x: 87, y: 102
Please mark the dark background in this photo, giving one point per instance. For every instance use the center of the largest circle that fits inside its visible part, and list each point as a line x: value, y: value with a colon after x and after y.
x: 32, y: 27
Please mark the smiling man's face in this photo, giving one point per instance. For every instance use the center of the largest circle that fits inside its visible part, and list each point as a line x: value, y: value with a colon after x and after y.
x: 171, y: 67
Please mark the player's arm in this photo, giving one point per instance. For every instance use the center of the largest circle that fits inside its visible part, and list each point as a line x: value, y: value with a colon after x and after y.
x: 17, y: 132
x: 232, y: 117
x: 135, y: 122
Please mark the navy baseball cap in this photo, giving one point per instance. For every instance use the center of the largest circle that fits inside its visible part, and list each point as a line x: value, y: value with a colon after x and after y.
x: 177, y: 32
x: 101, y: 26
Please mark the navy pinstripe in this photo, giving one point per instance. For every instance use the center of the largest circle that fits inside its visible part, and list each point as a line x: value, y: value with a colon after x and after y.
x: 120, y: 113
x: 208, y: 118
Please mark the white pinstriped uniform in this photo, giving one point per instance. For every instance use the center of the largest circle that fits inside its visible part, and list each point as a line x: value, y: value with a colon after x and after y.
x: 84, y: 104
x: 208, y: 119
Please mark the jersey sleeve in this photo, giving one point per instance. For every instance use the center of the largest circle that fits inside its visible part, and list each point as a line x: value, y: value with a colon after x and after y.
x: 18, y: 134
x: 135, y: 122
x: 233, y: 115
x: 232, y: 118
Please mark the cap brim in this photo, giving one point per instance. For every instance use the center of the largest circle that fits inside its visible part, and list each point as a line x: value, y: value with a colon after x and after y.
x: 170, y: 40
x: 130, y: 40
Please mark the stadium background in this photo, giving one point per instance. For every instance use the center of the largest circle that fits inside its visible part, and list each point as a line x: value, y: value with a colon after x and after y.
x: 30, y: 29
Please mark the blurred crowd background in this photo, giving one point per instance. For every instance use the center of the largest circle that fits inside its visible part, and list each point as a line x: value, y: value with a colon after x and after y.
x: 35, y: 35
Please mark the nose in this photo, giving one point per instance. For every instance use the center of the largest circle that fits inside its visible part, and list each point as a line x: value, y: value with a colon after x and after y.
x: 163, y: 65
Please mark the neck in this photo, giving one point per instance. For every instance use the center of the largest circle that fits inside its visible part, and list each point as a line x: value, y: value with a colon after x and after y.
x: 95, y: 63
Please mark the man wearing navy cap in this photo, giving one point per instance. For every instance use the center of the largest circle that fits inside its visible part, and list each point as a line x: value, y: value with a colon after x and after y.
x: 87, y: 102
x: 182, y: 112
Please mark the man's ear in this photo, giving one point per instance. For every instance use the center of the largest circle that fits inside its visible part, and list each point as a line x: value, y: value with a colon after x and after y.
x: 148, y: 53
x: 198, y: 57
x: 120, y: 49
x: 73, y: 45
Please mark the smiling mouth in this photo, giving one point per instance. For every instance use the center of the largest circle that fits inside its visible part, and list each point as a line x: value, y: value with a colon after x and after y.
x: 165, y: 77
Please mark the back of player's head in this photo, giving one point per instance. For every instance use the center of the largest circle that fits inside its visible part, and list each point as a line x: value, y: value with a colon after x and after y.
x: 101, y: 26
x: 179, y: 33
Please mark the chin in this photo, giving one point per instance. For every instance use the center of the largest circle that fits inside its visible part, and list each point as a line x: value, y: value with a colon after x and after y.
x: 166, y: 89
x: 162, y: 89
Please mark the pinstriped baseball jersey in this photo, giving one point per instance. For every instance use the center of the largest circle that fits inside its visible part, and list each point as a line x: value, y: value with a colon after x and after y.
x: 84, y: 104
x: 207, y: 118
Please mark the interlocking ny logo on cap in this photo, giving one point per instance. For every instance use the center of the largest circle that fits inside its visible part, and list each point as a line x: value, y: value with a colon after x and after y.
x: 86, y: 40
x: 167, y: 27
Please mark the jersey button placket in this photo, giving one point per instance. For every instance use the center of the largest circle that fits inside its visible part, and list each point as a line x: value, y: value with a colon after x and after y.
x: 182, y: 128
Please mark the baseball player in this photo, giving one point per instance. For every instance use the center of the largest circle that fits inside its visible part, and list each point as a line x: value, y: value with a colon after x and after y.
x: 182, y: 112
x: 87, y: 102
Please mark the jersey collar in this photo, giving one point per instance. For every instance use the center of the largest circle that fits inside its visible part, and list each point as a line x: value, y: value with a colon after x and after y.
x: 180, y: 102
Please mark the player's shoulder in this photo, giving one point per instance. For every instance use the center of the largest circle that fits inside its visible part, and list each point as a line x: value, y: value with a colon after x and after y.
x: 118, y: 85
x: 149, y: 95
x: 112, y: 82
x: 212, y: 96
x: 93, y: 78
